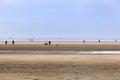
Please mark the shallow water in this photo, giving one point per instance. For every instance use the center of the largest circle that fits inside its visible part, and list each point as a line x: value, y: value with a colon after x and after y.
x: 56, y: 52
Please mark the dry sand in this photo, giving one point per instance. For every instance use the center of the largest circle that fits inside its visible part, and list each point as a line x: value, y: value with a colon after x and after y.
x: 59, y: 67
x: 73, y: 45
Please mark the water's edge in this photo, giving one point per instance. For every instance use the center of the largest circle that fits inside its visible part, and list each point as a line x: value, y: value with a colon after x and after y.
x: 57, y: 52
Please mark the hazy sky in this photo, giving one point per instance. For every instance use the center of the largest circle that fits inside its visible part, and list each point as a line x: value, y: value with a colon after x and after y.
x: 60, y: 18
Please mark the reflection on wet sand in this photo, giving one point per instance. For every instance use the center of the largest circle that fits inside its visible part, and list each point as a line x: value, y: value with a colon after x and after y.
x: 25, y: 66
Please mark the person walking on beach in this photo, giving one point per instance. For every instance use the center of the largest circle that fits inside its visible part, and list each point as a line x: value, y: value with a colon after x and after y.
x: 13, y: 42
x: 83, y: 41
x: 99, y: 41
x: 5, y: 42
x: 49, y: 42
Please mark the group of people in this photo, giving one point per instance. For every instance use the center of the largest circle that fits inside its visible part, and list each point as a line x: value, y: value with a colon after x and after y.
x: 99, y: 41
x: 13, y: 42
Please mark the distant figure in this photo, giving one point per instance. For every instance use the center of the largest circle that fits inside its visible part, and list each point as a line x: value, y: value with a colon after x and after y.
x: 31, y: 40
x: 5, y: 42
x: 46, y: 44
x: 99, y: 41
x: 83, y: 41
x: 115, y: 40
x: 13, y: 42
x: 49, y: 42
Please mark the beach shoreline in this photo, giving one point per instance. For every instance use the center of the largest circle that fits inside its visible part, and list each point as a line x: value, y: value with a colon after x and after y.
x: 61, y: 46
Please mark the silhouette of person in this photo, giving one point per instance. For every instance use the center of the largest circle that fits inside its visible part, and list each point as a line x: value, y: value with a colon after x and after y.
x: 115, y: 40
x: 83, y: 41
x: 6, y: 42
x: 13, y: 42
x: 99, y: 41
x: 49, y: 42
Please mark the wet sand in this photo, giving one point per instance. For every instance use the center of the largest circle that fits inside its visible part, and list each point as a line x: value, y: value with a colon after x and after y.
x: 26, y: 66
x: 61, y: 46
x: 59, y: 67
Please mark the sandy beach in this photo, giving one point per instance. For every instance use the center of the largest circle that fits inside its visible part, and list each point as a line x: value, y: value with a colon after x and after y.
x: 59, y: 39
x: 24, y: 65
x: 62, y: 45
x: 59, y: 67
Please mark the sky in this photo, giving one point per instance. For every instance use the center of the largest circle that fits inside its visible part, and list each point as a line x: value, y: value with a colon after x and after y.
x: 60, y: 18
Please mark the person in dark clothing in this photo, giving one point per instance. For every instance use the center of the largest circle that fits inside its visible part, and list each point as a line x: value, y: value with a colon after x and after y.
x: 5, y: 42
x: 13, y: 42
x: 83, y: 41
x: 99, y: 41
x: 49, y: 42
x: 115, y: 40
